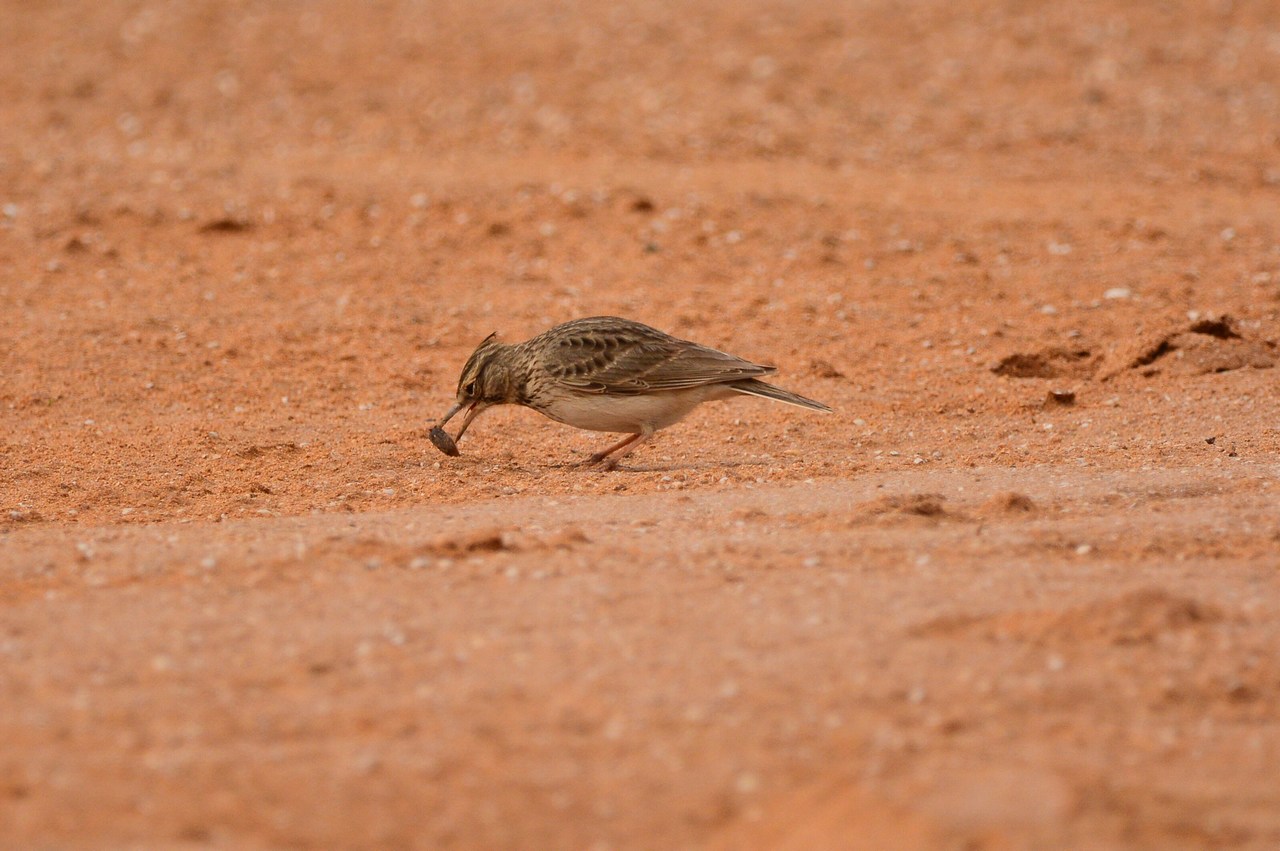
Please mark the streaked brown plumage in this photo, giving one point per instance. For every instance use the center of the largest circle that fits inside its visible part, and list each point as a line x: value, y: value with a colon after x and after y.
x: 604, y: 373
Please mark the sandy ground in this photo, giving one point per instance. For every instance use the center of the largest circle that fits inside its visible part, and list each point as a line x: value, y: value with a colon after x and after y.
x: 1020, y: 591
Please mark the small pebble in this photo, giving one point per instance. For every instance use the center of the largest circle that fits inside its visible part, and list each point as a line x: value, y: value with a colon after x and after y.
x: 1062, y: 397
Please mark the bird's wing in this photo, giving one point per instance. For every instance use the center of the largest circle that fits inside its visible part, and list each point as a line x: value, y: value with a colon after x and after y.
x: 632, y: 363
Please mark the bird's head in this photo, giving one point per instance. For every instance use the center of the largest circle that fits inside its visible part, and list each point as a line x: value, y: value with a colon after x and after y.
x: 486, y: 380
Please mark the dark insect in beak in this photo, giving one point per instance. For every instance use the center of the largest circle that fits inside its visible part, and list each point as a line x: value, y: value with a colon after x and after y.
x: 446, y: 444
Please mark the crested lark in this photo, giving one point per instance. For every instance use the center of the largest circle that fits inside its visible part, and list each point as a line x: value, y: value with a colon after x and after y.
x: 605, y: 374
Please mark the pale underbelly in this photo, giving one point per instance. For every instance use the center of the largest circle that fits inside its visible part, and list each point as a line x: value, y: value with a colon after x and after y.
x: 632, y: 414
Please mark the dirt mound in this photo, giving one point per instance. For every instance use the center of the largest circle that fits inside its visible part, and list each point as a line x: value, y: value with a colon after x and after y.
x: 902, y: 505
x: 375, y: 552
x: 1008, y: 503
x: 1050, y: 362
x: 1136, y: 617
x: 1204, y: 345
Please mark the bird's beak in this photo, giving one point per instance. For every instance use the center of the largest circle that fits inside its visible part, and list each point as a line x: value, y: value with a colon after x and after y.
x: 472, y: 411
x: 449, y: 416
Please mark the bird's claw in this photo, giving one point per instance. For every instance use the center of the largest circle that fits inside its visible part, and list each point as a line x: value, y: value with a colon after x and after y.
x: 603, y: 463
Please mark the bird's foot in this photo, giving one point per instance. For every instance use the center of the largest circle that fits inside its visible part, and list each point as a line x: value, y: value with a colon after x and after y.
x: 602, y: 462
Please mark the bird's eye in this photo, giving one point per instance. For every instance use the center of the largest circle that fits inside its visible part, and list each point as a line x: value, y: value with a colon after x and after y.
x: 470, y: 390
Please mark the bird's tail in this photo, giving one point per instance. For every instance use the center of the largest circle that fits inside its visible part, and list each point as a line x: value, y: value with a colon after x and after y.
x: 756, y: 387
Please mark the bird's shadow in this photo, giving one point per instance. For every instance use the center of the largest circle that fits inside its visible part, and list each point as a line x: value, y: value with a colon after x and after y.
x: 586, y: 467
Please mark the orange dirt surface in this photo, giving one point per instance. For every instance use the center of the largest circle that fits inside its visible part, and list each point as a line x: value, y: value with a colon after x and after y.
x: 1021, y: 591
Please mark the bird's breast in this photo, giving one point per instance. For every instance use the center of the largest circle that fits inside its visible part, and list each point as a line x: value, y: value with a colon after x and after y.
x: 625, y: 413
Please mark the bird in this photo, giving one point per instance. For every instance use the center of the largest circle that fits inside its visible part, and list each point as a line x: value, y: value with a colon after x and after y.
x: 608, y: 374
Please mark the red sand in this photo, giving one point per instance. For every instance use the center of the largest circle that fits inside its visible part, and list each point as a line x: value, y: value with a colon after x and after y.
x: 245, y: 248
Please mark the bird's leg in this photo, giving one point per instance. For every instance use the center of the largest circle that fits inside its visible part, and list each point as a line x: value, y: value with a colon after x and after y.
x: 607, y: 460
x: 600, y: 456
